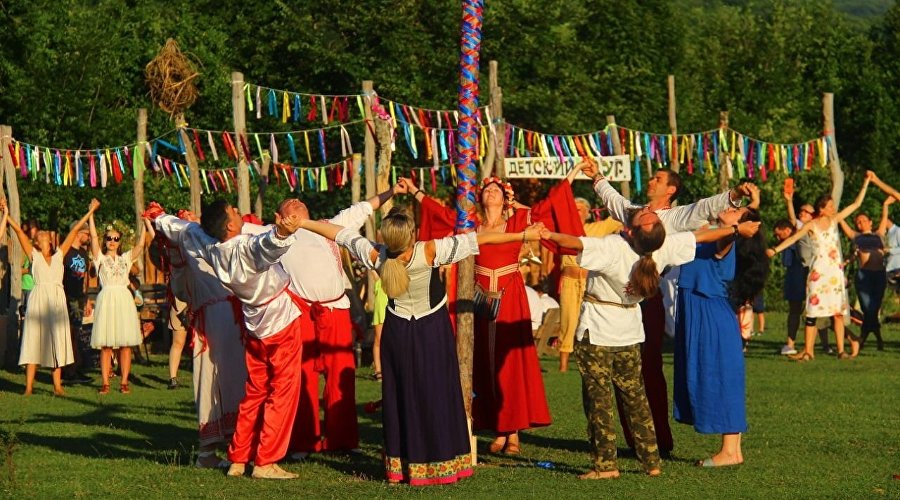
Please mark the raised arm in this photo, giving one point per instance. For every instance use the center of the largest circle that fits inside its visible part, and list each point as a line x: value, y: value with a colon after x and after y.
x: 849, y: 209
x: 95, y: 241
x: 885, y: 216
x: 612, y: 200
x: 794, y: 238
x: 563, y: 240
x: 745, y: 229
x: 22, y: 237
x: 139, y: 244
x: 359, y: 247
x: 848, y: 231
x: 400, y: 188
x: 789, y: 204
x: 881, y: 185
x: 3, y: 221
x: 67, y: 243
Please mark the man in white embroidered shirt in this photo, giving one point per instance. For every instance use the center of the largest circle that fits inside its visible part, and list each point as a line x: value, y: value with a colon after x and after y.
x: 658, y: 311
x: 248, y: 266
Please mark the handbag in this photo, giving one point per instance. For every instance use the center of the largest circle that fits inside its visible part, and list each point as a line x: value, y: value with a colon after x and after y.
x: 486, y: 303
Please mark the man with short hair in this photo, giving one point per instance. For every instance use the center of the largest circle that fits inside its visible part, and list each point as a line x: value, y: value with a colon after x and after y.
x: 75, y: 267
x: 662, y: 190
x: 249, y: 267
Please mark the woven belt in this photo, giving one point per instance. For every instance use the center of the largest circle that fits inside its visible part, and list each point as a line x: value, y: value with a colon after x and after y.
x: 495, y: 274
x: 594, y: 300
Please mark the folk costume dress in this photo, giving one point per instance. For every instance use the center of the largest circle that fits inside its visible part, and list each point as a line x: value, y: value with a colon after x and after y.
x: 826, y: 290
x: 45, y: 338
x: 248, y: 267
x: 116, y: 321
x: 219, y: 372
x: 426, y: 440
x: 709, y: 382
x: 509, y: 389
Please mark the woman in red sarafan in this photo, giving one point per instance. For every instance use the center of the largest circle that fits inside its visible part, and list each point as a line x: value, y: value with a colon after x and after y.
x: 509, y: 391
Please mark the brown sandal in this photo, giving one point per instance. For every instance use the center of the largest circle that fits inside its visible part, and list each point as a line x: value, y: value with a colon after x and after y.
x: 124, y: 389
x: 803, y: 357
x: 104, y: 389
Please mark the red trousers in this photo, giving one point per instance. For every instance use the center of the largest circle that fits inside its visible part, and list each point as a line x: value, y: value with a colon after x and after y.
x: 327, y: 350
x: 267, y: 412
x: 654, y: 317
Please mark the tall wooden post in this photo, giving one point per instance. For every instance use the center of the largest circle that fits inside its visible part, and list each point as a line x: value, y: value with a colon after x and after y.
x: 240, y: 129
x: 834, y: 161
x: 193, y: 166
x: 15, y: 250
x: 496, y: 153
x: 624, y: 186
x: 368, y: 89
x: 725, y: 172
x: 385, y: 134
x: 263, y: 183
x: 673, y: 123
x: 139, y: 183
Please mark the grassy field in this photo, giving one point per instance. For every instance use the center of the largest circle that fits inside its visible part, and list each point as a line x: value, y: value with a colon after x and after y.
x: 825, y: 429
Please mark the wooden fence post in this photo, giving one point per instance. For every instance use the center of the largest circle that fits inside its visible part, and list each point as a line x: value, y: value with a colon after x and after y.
x: 834, y: 161
x: 240, y: 130
x: 368, y: 88
x: 496, y: 153
x: 624, y: 186
x: 15, y: 250
x: 190, y: 158
x: 673, y: 123
x: 263, y: 183
x: 139, y: 185
x: 725, y: 173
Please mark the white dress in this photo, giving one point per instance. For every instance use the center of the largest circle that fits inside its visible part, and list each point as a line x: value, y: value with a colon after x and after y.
x: 116, y: 321
x: 46, y: 340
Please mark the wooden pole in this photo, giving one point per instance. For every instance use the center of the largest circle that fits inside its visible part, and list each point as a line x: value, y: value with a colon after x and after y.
x: 624, y: 186
x: 673, y: 122
x: 194, y: 168
x: 15, y: 250
x: 834, y: 161
x: 496, y: 153
x: 368, y: 88
x: 263, y: 183
x: 139, y: 184
x: 240, y: 129
x: 385, y: 134
x: 725, y: 173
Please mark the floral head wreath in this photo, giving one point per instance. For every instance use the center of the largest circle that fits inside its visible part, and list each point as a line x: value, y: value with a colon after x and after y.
x: 508, y: 192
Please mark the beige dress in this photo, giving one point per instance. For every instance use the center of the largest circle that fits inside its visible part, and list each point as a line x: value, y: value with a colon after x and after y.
x: 45, y: 339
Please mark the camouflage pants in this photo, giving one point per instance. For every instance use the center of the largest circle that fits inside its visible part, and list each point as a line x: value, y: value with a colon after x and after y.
x: 603, y: 368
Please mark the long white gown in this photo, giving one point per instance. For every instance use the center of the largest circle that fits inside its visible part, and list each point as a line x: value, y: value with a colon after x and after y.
x: 116, y: 321
x: 45, y: 339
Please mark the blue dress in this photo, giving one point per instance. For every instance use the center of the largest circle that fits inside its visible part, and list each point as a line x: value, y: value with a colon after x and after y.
x: 709, y: 362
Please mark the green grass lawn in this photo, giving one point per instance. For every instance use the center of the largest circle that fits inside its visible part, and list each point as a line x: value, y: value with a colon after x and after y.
x: 826, y: 429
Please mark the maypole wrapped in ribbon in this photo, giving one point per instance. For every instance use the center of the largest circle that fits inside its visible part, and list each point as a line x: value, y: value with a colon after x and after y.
x: 467, y: 137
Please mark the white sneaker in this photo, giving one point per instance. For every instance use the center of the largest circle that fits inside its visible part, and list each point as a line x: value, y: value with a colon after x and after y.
x: 788, y: 351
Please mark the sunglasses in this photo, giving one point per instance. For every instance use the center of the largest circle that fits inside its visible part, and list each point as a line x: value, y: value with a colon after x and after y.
x: 113, y: 238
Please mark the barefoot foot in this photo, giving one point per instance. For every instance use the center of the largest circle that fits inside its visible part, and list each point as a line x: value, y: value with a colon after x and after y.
x: 593, y: 474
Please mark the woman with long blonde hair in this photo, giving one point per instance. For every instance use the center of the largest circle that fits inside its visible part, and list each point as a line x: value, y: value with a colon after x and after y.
x: 426, y: 440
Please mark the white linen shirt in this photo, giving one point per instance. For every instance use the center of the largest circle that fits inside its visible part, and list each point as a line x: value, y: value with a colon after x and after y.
x: 314, y: 262
x: 247, y: 266
x: 681, y: 218
x: 610, y: 261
